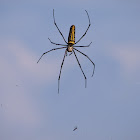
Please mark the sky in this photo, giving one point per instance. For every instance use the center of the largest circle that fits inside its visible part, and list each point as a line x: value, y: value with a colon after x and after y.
x: 30, y: 106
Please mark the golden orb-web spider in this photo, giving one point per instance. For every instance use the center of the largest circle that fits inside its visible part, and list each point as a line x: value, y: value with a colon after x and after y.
x: 70, y: 47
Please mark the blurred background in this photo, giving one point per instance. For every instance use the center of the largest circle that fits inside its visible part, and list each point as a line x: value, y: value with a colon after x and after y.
x: 30, y: 106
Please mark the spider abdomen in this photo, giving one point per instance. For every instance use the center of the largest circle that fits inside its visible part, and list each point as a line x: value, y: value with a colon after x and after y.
x: 71, y: 37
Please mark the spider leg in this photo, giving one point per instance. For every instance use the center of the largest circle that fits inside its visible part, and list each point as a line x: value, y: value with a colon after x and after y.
x: 83, y: 46
x: 88, y: 58
x: 86, y: 30
x: 50, y: 51
x: 56, y: 43
x: 61, y: 69
x: 70, y: 54
x: 81, y: 69
x: 57, y: 27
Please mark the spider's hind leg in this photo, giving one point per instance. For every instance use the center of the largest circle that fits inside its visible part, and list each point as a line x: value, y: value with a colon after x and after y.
x: 57, y: 27
x: 87, y: 28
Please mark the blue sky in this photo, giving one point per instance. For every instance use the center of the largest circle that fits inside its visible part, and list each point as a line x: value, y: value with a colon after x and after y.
x: 31, y: 108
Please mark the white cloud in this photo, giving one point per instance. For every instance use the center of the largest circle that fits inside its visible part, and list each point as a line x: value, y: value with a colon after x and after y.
x: 17, y: 59
x: 19, y: 64
x: 18, y: 108
x: 128, y: 56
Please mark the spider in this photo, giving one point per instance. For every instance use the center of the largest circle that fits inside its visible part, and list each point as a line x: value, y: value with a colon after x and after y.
x: 70, y: 47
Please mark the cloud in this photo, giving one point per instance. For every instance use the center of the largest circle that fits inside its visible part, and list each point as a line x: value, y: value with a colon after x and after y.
x: 128, y: 56
x: 17, y: 59
x: 18, y: 66
x: 19, y: 109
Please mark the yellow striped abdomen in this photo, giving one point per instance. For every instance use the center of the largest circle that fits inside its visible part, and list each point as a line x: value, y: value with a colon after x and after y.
x: 71, y: 37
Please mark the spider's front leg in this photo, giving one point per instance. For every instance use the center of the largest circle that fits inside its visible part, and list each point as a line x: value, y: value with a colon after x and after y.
x: 61, y: 69
x: 89, y: 60
x: 81, y: 68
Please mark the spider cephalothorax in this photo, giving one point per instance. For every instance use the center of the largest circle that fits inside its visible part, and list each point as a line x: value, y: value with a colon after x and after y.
x: 70, y: 47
